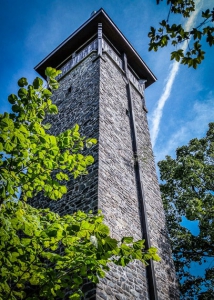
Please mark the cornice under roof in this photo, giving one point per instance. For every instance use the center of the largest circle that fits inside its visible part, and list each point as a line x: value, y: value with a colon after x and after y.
x: 84, y: 33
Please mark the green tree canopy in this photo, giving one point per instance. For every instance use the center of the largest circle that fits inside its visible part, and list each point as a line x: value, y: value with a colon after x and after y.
x: 44, y: 255
x: 176, y: 34
x: 187, y: 190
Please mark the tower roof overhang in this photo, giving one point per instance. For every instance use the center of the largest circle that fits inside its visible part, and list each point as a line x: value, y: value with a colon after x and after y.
x: 84, y: 33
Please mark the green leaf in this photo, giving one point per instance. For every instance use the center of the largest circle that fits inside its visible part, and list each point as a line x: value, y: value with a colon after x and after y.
x: 90, y: 142
x: 16, y: 108
x: 75, y: 128
x: 75, y: 296
x: 53, y: 292
x: 9, y: 146
x: 37, y: 83
x: 110, y: 243
x: 47, y: 126
x: 206, y: 14
x: 34, y: 280
x: 102, y: 229
x: 127, y: 240
x: 60, y: 176
x: 12, y: 98
x: 53, y: 109
x: 51, y: 72
x: 14, y: 256
x: 22, y: 82
x: 78, y: 280
x: 75, y: 227
x: 139, y: 244
x: 22, y: 93
x: 63, y: 189
x: 86, y: 225
x: 47, y: 93
x: 89, y: 160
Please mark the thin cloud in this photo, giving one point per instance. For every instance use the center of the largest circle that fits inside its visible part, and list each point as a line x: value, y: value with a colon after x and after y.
x: 157, y: 114
x: 202, y: 114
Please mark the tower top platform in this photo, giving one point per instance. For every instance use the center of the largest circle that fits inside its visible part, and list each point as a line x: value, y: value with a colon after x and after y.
x: 84, y: 34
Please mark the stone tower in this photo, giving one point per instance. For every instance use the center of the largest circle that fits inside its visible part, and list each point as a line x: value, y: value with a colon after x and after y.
x: 102, y: 89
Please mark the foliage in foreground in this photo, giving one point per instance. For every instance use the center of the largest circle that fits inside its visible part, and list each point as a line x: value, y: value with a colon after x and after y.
x: 188, y: 190
x: 44, y: 256
x: 29, y: 154
x: 177, y: 34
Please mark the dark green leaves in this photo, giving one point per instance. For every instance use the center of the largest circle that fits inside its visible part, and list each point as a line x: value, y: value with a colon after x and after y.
x: 22, y: 82
x: 53, y: 109
x: 176, y: 34
x: 16, y: 108
x: 12, y: 98
x: 177, y: 55
x: 37, y: 83
x: 127, y: 240
x: 188, y: 191
x: 206, y: 14
x: 181, y: 6
x: 22, y: 93
x: 46, y: 93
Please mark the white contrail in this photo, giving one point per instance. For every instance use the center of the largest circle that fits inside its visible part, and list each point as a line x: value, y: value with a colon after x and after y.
x: 157, y: 114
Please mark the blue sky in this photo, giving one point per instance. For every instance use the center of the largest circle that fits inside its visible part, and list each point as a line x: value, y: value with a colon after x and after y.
x: 177, y: 113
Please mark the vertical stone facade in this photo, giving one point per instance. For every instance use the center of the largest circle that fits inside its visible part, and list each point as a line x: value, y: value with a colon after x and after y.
x: 78, y: 103
x: 93, y: 93
x: 117, y: 194
x: 164, y: 270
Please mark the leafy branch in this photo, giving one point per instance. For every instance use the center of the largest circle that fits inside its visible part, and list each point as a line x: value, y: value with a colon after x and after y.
x: 27, y: 147
x: 176, y: 34
x: 58, y: 252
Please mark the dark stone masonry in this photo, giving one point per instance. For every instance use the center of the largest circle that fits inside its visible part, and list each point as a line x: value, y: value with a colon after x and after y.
x: 96, y: 86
